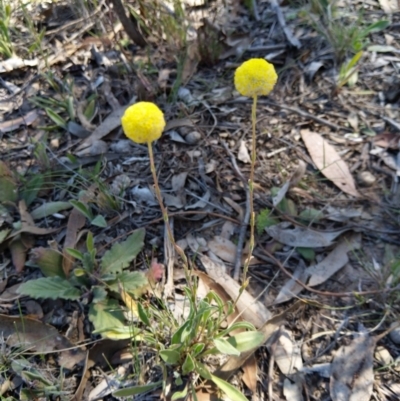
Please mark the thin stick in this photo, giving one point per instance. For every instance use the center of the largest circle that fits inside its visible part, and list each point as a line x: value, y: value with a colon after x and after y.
x: 246, y: 218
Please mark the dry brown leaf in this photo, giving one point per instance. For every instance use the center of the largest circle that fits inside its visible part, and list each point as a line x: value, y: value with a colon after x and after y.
x: 291, y: 288
x: 352, y: 375
x: 19, y: 248
x: 335, y: 260
x: 250, y: 373
x: 329, y: 162
x: 287, y: 353
x: 303, y: 237
x: 11, y: 125
x: 223, y: 248
x: 249, y: 308
x: 76, y: 221
x: 177, y: 123
x: 110, y: 123
x: 35, y: 335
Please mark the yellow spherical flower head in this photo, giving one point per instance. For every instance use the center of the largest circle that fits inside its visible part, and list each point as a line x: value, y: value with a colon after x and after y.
x: 255, y: 77
x: 143, y: 122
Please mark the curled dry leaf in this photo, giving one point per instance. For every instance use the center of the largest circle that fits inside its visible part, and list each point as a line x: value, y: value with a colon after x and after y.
x: 302, y: 237
x: 287, y: 353
x: 329, y: 162
x: 243, y: 153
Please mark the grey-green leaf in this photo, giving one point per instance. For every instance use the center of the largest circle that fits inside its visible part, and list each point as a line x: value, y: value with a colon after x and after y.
x: 47, y: 209
x: 99, y: 221
x: 170, y: 356
x: 120, y: 255
x: 126, y: 392
x: 247, y: 341
x: 232, y: 392
x: 225, y: 348
x: 188, y: 365
x: 50, y: 287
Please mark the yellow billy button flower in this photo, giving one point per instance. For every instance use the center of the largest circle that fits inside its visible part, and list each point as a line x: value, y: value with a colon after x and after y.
x: 143, y: 122
x: 255, y: 77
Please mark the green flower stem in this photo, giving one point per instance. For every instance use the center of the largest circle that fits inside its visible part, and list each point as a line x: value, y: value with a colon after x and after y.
x: 251, y: 185
x: 165, y: 213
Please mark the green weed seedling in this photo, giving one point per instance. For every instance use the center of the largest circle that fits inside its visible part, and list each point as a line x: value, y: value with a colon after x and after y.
x: 345, y: 32
x: 94, y: 280
x: 6, y: 46
x: 183, y: 349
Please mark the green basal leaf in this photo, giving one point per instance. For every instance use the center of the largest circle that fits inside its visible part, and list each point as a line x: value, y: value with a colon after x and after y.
x: 306, y: 253
x: 225, y: 347
x: 170, y: 356
x: 178, y: 395
x: 127, y: 392
x: 90, y: 109
x: 176, y: 337
x: 99, y: 294
x: 202, y: 370
x: 49, y: 261
x: 188, y: 365
x: 232, y: 392
x: 4, y: 234
x: 50, y: 287
x: 56, y: 118
x: 75, y: 253
x: 90, y: 242
x: 80, y: 272
x: 130, y: 281
x: 377, y: 26
x: 247, y: 341
x: 143, y: 314
x: 47, y: 209
x: 237, y: 326
x: 311, y: 214
x: 84, y: 209
x: 121, y: 255
x: 197, y: 349
x: 106, y: 316
x: 99, y: 221
x: 31, y: 188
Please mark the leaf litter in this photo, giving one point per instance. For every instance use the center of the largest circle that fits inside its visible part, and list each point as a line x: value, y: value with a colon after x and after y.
x: 208, y: 198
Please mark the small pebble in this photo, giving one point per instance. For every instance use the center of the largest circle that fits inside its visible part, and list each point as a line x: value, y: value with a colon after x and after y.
x: 365, y: 178
x: 395, y: 334
x: 192, y: 138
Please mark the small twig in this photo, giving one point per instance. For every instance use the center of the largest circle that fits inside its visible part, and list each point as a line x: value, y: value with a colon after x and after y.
x: 297, y: 111
x: 246, y: 217
x: 288, y: 33
x: 128, y: 24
